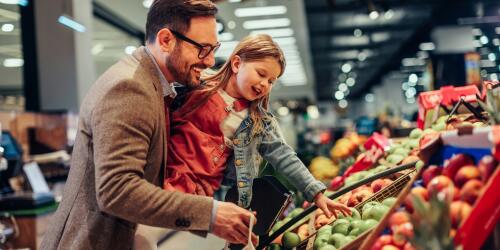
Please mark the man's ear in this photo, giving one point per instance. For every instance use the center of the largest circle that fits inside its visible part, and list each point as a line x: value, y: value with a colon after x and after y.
x: 235, y: 64
x: 165, y: 40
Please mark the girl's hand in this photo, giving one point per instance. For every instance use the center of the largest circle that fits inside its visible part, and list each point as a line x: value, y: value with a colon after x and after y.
x: 330, y: 207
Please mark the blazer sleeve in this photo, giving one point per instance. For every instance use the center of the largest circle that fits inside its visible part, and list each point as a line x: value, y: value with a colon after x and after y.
x: 283, y: 158
x: 122, y: 125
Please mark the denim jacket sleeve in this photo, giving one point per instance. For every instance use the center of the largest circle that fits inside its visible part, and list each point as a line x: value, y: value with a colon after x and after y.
x: 283, y: 158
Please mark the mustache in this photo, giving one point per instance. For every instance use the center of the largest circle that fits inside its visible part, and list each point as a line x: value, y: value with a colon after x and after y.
x: 201, y: 66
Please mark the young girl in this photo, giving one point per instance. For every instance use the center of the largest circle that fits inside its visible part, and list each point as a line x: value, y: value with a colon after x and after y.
x: 223, y: 128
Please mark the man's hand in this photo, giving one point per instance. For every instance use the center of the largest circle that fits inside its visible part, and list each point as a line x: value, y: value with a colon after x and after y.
x: 232, y: 222
x: 328, y: 206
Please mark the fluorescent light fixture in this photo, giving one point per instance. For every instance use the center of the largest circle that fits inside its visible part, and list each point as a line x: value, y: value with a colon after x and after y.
x: 484, y: 40
x: 369, y: 97
x: 497, y: 30
x: 10, y: 1
x: 313, y: 111
x: 362, y: 56
x: 13, y: 62
x: 358, y: 32
x: 285, y: 32
x: 284, y: 41
x: 477, y: 32
x: 339, y: 95
x: 346, y: 67
x: 409, y: 62
x: 410, y: 100
x: 494, y: 77
x: 492, y: 57
x: 147, y: 3
x: 226, y: 36
x: 487, y: 64
x: 343, y: 87
x: 496, y: 42
x: 293, y: 83
x: 234, y: 1
x: 476, y: 43
x: 373, y: 15
x: 388, y: 14
x: 8, y: 27
x: 66, y: 21
x: 427, y: 46
x: 231, y: 24
x: 413, y: 78
x: 130, y: 49
x: 405, y: 86
x: 97, y: 49
x: 343, y: 104
x: 266, y: 23
x: 260, y: 11
x: 283, y: 111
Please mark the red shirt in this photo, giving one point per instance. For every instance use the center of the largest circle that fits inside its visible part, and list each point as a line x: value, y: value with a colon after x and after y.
x: 197, y: 153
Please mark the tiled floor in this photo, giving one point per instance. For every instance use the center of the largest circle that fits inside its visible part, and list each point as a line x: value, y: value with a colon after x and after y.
x: 185, y: 241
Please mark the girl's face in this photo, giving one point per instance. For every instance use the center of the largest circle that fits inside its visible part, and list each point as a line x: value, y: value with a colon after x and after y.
x: 253, y: 79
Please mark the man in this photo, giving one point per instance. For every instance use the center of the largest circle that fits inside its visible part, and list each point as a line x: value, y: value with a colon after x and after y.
x: 120, y: 151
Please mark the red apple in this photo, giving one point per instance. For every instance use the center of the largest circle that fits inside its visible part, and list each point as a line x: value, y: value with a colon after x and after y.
x: 398, y: 218
x: 405, y: 230
x: 408, y: 246
x: 465, y: 174
x: 359, y: 197
x: 470, y: 191
x: 459, y: 210
x: 390, y: 247
x: 429, y: 173
x: 380, y: 184
x: 486, y: 167
x: 452, y: 165
x: 439, y: 183
x: 416, y: 191
x: 382, y: 241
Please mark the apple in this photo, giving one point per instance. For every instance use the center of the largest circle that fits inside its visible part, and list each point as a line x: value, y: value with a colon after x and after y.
x: 341, y: 226
x: 355, y: 232
x: 345, y: 198
x: 416, y: 133
x: 354, y: 215
x: 377, y: 185
x: 486, y: 167
x: 338, y: 240
x: 470, y: 191
x: 368, y: 224
x: 336, y: 183
x: 327, y: 247
x: 420, y: 192
x: 404, y: 229
x: 390, y: 247
x: 408, y: 246
x: 374, y: 212
x: 290, y: 240
x: 452, y: 165
x: 466, y: 173
x: 429, y: 173
x: 440, y: 183
x: 359, y: 197
x: 321, y: 240
x: 398, y: 218
x: 382, y: 241
x: 327, y: 229
x: 389, y: 201
x: 369, y: 205
x: 459, y: 210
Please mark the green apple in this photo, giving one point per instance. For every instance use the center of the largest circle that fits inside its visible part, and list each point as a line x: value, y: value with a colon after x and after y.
x: 355, y: 232
x: 277, y: 225
x: 369, y: 205
x: 274, y: 246
x: 290, y: 240
x: 389, y: 201
x: 439, y: 126
x: 416, y: 133
x: 327, y: 229
x: 395, y: 158
x: 327, y: 247
x: 295, y: 212
x: 367, y: 224
x: 341, y: 226
x: 374, y: 212
x: 420, y: 164
x: 428, y: 131
x: 338, y: 240
x: 401, y: 151
x: 413, y: 144
x: 321, y: 240
x: 350, y: 238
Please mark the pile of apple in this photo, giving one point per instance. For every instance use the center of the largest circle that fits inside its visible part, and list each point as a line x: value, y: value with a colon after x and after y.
x: 345, y: 229
x: 460, y: 180
x: 360, y: 194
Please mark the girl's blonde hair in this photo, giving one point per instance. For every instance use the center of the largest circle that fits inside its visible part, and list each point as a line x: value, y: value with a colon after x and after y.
x: 251, y: 48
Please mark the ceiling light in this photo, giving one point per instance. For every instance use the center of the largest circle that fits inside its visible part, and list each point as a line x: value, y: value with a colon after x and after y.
x: 483, y: 39
x: 484, y: 73
x: 497, y: 30
x: 477, y: 32
x: 147, y: 3
x: 410, y: 62
x: 492, y: 57
x: 313, y: 111
x: 283, y: 111
x: 343, y: 104
x: 494, y: 77
x: 8, y: 27
x: 231, y: 24
x: 130, y: 49
x: 422, y: 54
x: 260, y: 11
x: 427, y: 46
x: 373, y: 15
x: 358, y: 32
x: 346, y: 67
x: 411, y: 92
x: 496, y: 42
x: 70, y: 23
x: 405, y: 86
x: 347, y: 92
x: 226, y: 36
x: 285, y: 32
x: 11, y: 1
x: 350, y: 81
x: 96, y: 49
x: 339, y: 95
x: 410, y: 100
x: 388, y: 14
x: 353, y: 74
x: 369, y: 97
x: 294, y: 83
x: 220, y: 27
x: 476, y: 43
x: 413, y: 78
x: 284, y: 41
x: 343, y: 87
x: 266, y: 23
x: 234, y: 1
x: 342, y: 77
x: 13, y: 62
x: 362, y: 56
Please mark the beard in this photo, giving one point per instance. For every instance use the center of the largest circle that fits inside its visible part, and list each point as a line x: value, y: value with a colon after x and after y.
x: 181, y: 71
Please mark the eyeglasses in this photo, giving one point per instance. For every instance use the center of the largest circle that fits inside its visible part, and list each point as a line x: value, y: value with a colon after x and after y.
x: 204, y: 50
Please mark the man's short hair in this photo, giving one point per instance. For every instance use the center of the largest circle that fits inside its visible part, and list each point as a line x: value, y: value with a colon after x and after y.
x: 175, y: 15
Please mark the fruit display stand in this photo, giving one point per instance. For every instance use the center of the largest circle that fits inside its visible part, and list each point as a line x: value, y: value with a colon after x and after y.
x: 475, y: 207
x: 390, y: 191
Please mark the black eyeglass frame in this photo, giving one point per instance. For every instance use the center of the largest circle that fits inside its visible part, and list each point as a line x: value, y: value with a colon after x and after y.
x: 208, y: 48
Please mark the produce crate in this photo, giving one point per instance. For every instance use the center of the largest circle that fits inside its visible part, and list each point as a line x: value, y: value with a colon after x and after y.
x: 392, y: 190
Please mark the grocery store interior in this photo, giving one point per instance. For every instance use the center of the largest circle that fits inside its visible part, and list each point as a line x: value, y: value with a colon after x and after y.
x: 394, y: 105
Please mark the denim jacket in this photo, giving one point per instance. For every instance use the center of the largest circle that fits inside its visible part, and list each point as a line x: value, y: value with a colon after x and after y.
x: 243, y: 166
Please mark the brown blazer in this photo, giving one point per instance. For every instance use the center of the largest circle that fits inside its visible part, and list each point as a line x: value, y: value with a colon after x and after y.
x: 117, y: 166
